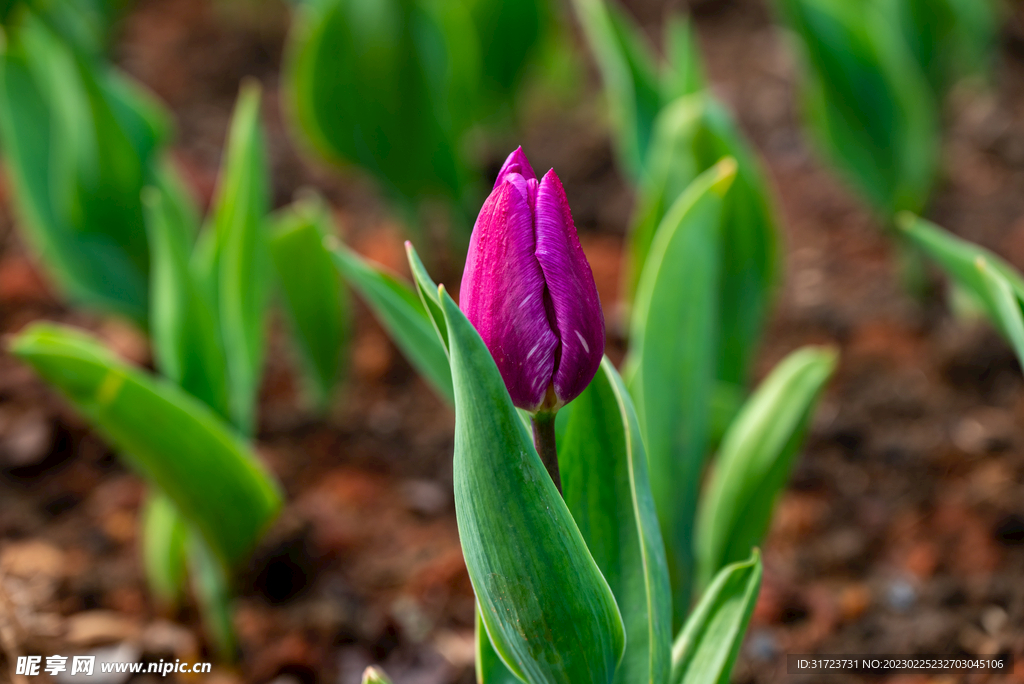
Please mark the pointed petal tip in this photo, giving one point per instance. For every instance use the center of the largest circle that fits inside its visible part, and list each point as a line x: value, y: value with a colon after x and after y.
x: 516, y: 163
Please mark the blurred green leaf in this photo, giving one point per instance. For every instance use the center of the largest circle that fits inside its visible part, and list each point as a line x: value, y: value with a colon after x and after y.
x: 385, y: 85
x: 546, y: 606
x: 755, y: 460
x: 1005, y: 304
x: 163, y: 538
x: 606, y: 487
x: 992, y: 283
x: 402, y: 314
x: 949, y: 39
x: 958, y: 259
x: 374, y: 675
x: 212, y: 587
x: 186, y: 336
x: 79, y: 142
x: 239, y: 261
x: 683, y: 73
x: 313, y: 294
x: 691, y: 135
x: 671, y: 362
x: 705, y: 651
x: 630, y: 75
x: 866, y: 100
x: 171, y: 438
x: 508, y: 32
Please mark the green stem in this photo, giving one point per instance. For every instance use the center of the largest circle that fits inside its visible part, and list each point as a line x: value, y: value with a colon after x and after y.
x: 544, y: 439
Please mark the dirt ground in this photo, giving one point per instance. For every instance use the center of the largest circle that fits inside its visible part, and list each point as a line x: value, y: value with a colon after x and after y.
x: 902, y: 530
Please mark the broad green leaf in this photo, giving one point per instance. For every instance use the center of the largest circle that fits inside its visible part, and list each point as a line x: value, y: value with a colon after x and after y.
x: 212, y: 587
x: 949, y: 39
x: 490, y: 669
x: 314, y: 297
x: 169, y: 437
x: 508, y: 33
x: 630, y: 78
x: 186, y: 336
x: 383, y: 85
x: 604, y: 478
x: 163, y: 538
x: 427, y: 290
x: 402, y: 314
x: 77, y: 141
x: 866, y: 100
x: 705, y: 650
x: 755, y: 459
x: 691, y: 135
x: 241, y: 263
x: 672, y: 362
x: 1005, y: 304
x: 957, y: 257
x: 545, y: 605
x: 375, y: 675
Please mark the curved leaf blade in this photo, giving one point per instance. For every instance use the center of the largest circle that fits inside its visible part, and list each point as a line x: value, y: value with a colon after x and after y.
x: 402, y: 314
x: 314, y: 298
x: 547, y: 608
x: 163, y: 549
x: 490, y: 669
x: 755, y: 459
x: 705, y: 650
x: 186, y: 336
x: 604, y: 478
x: 241, y: 262
x: 1005, y: 305
x: 172, y: 439
x: 672, y: 362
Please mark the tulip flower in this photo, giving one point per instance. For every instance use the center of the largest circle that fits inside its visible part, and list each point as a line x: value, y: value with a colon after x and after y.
x: 529, y: 292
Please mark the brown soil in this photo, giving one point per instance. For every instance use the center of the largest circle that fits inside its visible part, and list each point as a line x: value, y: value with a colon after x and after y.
x: 902, y: 530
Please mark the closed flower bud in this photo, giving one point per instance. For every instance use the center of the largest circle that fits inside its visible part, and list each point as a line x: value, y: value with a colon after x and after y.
x: 529, y: 292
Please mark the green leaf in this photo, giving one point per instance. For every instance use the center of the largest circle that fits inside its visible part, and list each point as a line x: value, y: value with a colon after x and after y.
x: 313, y: 295
x: 949, y: 39
x: 489, y: 667
x: 755, y: 460
x: 705, y: 651
x: 672, y: 362
x: 683, y: 73
x: 169, y: 437
x: 604, y: 477
x: 427, y: 290
x: 546, y: 607
x: 958, y: 258
x: 1005, y: 305
x: 375, y: 675
x: 78, y: 141
x: 866, y: 100
x: 630, y: 77
x: 387, y: 85
x: 212, y: 587
x: 241, y: 263
x: 186, y: 335
x: 163, y: 538
x: 691, y: 135
x: 402, y: 314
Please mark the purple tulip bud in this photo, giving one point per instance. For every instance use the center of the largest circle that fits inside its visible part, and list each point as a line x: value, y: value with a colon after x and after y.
x: 529, y: 291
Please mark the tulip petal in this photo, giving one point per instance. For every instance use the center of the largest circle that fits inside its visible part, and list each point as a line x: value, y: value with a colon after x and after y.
x: 502, y: 293
x: 516, y: 163
x: 579, y: 321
